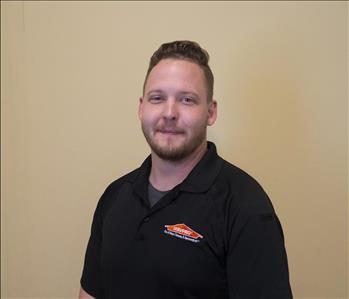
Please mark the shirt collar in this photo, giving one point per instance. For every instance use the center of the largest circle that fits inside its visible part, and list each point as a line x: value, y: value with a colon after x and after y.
x: 199, y: 179
x: 204, y: 173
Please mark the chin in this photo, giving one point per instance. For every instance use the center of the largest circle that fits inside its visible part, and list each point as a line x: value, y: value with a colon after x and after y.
x: 174, y: 153
x: 170, y: 155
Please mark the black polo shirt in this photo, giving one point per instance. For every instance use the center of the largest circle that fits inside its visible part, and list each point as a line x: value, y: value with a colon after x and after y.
x: 215, y: 235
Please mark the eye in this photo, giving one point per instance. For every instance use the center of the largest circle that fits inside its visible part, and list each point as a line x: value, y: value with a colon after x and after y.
x: 155, y: 98
x: 188, y: 100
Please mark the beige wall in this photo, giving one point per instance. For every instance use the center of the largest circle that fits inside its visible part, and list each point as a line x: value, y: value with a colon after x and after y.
x: 71, y: 75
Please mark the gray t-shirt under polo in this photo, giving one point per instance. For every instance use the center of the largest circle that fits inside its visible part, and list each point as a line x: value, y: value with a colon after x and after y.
x: 154, y: 195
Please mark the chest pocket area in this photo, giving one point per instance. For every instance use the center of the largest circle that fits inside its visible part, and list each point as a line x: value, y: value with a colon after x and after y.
x: 183, y: 261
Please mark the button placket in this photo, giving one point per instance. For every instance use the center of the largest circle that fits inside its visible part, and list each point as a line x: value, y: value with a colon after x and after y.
x: 140, y: 234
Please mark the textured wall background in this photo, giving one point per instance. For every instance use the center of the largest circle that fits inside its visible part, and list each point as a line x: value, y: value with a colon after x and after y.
x: 71, y: 76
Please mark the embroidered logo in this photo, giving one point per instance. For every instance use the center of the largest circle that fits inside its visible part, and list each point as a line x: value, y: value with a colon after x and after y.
x: 182, y: 231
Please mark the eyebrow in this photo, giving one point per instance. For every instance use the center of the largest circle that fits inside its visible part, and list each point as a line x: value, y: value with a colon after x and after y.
x: 181, y: 92
x: 154, y: 90
x: 189, y: 93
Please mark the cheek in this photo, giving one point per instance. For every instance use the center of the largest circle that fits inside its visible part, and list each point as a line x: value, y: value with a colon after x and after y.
x: 195, y: 120
x: 146, y: 115
x: 148, y: 120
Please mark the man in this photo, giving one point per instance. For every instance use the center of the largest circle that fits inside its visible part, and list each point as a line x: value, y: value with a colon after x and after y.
x: 186, y: 224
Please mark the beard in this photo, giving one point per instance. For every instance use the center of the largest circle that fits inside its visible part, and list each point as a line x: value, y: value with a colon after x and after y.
x: 172, y: 152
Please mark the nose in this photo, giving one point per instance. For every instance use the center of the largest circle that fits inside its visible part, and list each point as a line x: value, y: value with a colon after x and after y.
x: 171, y: 109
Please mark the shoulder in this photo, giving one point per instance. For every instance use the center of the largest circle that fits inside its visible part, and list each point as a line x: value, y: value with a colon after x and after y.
x: 242, y: 191
x: 128, y: 178
x: 237, y: 178
x: 111, y: 192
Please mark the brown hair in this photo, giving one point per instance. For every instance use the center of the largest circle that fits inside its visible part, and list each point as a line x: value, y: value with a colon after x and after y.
x: 184, y: 50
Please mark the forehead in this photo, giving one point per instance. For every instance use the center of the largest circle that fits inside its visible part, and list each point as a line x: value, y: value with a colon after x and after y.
x: 176, y: 73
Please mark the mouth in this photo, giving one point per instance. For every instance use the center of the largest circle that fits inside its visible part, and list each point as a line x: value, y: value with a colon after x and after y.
x: 170, y: 131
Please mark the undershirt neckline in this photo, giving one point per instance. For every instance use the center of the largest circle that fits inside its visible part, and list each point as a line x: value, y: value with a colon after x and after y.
x: 154, y: 195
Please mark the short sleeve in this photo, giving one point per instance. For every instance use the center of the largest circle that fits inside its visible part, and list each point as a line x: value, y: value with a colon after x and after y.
x: 256, y: 260
x: 91, y: 280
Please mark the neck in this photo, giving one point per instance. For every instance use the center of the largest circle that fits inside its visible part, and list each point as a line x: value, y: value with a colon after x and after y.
x: 165, y: 174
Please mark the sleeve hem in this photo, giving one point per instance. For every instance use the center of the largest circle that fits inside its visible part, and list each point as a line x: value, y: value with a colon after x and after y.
x: 88, y: 289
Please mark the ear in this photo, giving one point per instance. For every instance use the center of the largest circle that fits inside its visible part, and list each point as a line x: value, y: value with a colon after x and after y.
x: 140, y: 108
x: 212, y: 112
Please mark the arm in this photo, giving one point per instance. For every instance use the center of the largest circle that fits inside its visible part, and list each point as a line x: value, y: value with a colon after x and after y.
x: 91, y: 282
x: 257, y: 262
x: 84, y: 295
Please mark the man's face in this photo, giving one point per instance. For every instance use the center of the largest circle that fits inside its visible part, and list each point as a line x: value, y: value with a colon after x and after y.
x: 174, y: 111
